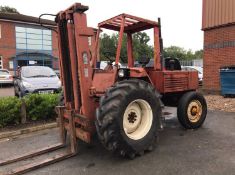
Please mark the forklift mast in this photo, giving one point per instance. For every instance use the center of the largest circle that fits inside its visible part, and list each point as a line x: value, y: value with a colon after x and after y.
x: 75, y: 59
x: 161, y: 44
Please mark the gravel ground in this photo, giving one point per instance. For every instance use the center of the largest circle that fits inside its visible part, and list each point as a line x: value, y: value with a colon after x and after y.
x: 217, y: 102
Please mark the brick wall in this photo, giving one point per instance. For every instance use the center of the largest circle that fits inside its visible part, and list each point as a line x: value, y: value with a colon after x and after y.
x: 219, y: 50
x: 7, y: 42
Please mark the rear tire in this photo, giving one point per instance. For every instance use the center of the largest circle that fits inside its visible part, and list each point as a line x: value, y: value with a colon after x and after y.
x: 192, y: 110
x: 128, y: 118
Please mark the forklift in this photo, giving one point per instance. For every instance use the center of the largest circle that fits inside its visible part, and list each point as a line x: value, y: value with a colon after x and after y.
x: 122, y: 106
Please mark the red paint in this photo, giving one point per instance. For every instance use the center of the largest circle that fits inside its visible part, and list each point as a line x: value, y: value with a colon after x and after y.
x: 87, y: 83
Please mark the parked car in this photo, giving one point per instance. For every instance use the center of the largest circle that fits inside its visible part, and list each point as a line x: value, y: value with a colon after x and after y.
x: 5, y: 77
x: 36, y: 79
x: 103, y: 64
x: 57, y: 73
x: 195, y: 68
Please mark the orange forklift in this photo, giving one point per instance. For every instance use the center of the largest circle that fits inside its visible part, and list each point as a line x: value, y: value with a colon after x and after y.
x: 123, y: 106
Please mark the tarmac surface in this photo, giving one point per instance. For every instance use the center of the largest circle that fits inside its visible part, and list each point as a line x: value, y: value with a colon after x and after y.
x: 209, y: 150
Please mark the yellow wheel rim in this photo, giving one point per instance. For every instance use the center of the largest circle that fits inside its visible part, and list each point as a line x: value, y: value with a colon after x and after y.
x: 194, y: 111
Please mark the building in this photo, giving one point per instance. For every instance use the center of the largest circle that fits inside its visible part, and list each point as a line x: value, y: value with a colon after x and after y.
x: 218, y: 24
x: 23, y: 41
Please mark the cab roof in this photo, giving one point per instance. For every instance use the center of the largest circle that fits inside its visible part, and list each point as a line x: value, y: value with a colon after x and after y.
x: 132, y: 24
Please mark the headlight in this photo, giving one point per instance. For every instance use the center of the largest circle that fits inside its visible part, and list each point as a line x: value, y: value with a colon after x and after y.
x: 59, y: 84
x: 26, y: 84
x: 121, y: 73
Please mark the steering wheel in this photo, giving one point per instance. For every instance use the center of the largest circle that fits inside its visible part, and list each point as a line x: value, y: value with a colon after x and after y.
x: 106, y: 56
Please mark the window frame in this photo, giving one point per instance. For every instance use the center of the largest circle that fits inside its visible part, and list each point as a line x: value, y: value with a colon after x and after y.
x: 39, y: 38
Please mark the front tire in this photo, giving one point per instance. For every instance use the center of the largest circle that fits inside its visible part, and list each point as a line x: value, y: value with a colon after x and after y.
x: 128, y: 118
x: 192, y: 110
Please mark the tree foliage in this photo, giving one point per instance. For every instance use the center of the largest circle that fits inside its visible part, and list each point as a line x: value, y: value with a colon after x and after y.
x: 108, y: 46
x: 198, y: 54
x: 7, y: 9
x: 181, y: 53
x: 38, y: 107
x: 141, y: 47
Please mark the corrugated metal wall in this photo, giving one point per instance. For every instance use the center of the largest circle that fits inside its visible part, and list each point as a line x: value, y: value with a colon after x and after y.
x: 217, y: 13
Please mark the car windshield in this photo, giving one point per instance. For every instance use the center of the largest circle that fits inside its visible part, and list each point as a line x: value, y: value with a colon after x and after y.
x: 4, y: 72
x: 34, y: 72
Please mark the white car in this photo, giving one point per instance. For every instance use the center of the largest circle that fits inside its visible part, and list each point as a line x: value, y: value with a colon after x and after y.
x: 36, y: 79
x: 195, y: 68
x: 103, y: 64
x: 5, y: 77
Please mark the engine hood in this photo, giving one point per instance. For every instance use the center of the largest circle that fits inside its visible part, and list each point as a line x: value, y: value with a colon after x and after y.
x: 43, y: 83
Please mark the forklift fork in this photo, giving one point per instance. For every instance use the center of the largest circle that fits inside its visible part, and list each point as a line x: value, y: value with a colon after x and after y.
x: 72, y: 151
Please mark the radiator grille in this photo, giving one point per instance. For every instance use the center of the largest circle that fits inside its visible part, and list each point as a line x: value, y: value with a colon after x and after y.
x: 175, y: 83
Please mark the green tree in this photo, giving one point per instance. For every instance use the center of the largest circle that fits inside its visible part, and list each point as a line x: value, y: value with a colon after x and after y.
x: 181, y: 53
x: 199, y: 54
x: 190, y: 55
x: 108, y: 46
x: 175, y: 52
x: 140, y: 45
x: 7, y: 9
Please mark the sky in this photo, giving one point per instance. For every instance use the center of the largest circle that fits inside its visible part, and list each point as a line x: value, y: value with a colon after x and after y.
x: 181, y: 19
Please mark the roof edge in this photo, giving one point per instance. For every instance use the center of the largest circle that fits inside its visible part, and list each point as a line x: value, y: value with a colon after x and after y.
x: 218, y: 26
x: 25, y: 18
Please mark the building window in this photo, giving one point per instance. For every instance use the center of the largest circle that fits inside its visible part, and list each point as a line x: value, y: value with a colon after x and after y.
x: 89, y: 41
x: 11, y: 66
x: 1, y: 63
x: 33, y: 39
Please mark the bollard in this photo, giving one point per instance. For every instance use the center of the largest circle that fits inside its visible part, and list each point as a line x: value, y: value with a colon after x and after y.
x: 23, y: 113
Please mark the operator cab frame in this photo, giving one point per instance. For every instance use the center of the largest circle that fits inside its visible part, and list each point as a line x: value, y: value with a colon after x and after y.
x: 128, y: 24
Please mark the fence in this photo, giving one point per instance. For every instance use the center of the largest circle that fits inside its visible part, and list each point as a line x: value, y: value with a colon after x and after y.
x: 198, y: 62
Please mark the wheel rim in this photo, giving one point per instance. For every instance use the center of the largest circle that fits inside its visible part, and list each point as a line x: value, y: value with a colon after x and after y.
x: 137, y: 119
x: 194, y: 111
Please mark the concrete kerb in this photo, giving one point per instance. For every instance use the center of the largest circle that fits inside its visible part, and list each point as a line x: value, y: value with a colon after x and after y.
x: 9, y: 134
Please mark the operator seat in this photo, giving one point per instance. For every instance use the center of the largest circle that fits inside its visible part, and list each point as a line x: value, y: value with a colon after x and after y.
x: 143, y: 61
x: 172, y: 64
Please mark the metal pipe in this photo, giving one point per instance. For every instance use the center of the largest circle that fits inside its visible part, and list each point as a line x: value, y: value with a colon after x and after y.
x: 161, y: 44
x: 121, y: 32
